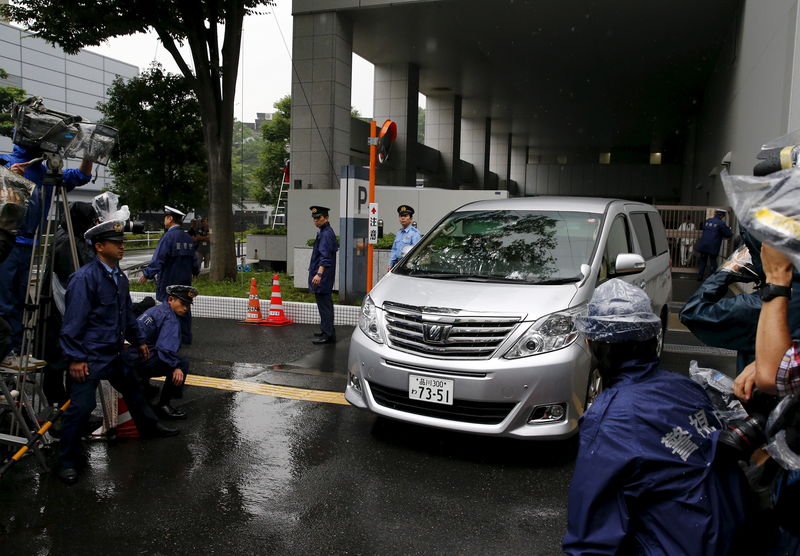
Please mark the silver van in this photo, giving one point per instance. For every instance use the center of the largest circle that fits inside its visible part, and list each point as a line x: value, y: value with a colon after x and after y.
x: 474, y: 329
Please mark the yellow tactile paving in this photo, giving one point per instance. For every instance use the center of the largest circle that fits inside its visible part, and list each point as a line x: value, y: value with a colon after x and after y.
x: 266, y: 389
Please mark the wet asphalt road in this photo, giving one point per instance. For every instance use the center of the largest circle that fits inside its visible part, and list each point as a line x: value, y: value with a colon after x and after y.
x: 256, y: 474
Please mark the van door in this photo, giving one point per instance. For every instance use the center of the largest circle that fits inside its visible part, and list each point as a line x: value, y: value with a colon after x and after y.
x: 652, y: 245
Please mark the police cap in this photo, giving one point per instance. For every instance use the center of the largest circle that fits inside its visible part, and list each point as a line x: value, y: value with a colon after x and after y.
x: 317, y: 211
x: 184, y: 293
x: 174, y: 213
x: 405, y: 210
x: 111, y: 230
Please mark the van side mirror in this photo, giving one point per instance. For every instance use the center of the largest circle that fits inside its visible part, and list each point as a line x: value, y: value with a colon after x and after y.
x: 628, y: 263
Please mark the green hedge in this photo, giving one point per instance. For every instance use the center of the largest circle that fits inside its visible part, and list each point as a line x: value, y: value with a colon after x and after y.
x: 256, y: 231
x: 383, y: 243
x: 240, y: 287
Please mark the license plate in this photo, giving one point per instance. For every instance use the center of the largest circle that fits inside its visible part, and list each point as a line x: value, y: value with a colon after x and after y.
x: 427, y: 389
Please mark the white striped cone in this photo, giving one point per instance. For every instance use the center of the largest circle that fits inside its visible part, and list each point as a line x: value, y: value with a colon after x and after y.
x: 276, y: 316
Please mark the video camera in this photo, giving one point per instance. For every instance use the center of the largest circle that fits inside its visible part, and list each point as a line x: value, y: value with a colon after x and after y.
x: 42, y: 129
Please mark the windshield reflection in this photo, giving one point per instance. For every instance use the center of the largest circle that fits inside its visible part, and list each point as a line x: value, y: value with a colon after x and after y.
x: 506, y: 246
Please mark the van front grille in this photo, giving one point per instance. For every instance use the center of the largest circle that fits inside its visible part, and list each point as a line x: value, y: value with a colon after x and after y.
x: 446, y: 334
x: 482, y: 413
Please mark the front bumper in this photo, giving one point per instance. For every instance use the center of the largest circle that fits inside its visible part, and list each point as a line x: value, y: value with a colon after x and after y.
x: 492, y: 397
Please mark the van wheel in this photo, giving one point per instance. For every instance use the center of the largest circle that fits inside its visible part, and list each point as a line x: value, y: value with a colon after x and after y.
x: 593, y: 388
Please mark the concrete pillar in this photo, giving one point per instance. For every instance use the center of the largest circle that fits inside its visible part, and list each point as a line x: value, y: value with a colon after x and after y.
x: 443, y: 133
x: 519, y: 159
x: 476, y: 136
x: 320, y: 135
x: 396, y: 98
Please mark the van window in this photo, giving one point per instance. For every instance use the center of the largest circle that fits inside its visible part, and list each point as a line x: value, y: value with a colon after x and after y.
x: 659, y: 234
x: 534, y: 247
x: 618, y: 242
x: 642, y: 229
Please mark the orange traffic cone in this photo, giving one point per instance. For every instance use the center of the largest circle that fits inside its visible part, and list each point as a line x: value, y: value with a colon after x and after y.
x: 276, y: 316
x: 126, y: 428
x: 253, y: 305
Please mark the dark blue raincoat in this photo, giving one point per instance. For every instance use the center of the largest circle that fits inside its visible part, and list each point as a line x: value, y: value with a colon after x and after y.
x: 162, y: 334
x: 714, y: 231
x: 323, y: 254
x: 174, y: 262
x: 730, y: 322
x: 645, y: 480
x: 97, y: 319
x: 14, y: 270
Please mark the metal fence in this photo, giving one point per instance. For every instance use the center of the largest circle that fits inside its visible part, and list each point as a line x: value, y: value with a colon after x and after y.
x: 684, y: 226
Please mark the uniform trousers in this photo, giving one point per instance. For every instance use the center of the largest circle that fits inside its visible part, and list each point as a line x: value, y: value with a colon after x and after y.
x: 154, y: 366
x: 703, y: 259
x: 84, y: 401
x: 13, y: 283
x: 325, y: 307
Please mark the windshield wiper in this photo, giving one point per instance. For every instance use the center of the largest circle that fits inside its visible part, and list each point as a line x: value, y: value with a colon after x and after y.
x: 551, y: 281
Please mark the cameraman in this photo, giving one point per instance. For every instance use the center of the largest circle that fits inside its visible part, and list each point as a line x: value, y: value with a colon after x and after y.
x: 14, y: 270
x: 645, y: 478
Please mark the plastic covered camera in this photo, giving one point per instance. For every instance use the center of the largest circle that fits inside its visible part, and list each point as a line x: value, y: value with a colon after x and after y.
x: 15, y: 191
x: 94, y: 142
x: 38, y: 127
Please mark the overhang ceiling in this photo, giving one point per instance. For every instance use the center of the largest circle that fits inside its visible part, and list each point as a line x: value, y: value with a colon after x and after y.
x: 576, y: 74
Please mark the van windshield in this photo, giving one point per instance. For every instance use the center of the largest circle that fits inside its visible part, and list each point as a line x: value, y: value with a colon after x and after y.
x: 541, y: 247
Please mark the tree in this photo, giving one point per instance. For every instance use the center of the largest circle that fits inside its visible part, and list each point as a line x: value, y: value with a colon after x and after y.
x: 275, y: 134
x: 9, y: 96
x: 213, y: 31
x: 160, y: 158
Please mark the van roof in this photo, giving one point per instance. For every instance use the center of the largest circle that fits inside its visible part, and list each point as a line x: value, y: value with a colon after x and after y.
x: 576, y: 204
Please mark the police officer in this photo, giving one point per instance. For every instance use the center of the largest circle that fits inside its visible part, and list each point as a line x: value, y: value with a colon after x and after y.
x: 407, y: 235
x: 174, y: 262
x: 14, y: 270
x: 97, y: 321
x: 162, y: 334
x: 646, y: 480
x: 714, y: 231
x: 321, y: 273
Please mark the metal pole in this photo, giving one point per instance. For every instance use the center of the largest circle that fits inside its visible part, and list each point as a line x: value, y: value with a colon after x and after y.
x: 373, y: 155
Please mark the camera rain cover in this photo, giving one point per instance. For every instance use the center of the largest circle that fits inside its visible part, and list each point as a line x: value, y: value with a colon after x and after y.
x: 93, y: 142
x: 767, y: 206
x: 15, y: 191
x: 106, y: 205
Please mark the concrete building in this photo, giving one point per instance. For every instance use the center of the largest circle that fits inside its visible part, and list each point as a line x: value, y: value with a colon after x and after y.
x: 624, y: 98
x: 72, y: 84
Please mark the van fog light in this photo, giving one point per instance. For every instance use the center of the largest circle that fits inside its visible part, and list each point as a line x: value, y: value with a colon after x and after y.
x: 548, y: 413
x: 355, y: 382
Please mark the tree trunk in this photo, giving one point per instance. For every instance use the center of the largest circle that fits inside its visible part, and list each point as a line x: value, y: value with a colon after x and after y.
x: 220, y: 196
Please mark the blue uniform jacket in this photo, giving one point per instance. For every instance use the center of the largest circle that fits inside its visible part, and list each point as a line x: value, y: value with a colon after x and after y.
x: 162, y: 333
x: 730, y: 322
x: 323, y: 254
x: 714, y: 231
x: 644, y: 480
x: 406, y: 236
x: 97, y: 318
x: 174, y: 261
x: 72, y: 179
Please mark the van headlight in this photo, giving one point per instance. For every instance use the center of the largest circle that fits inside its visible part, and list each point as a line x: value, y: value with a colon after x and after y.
x: 368, y: 320
x: 549, y: 333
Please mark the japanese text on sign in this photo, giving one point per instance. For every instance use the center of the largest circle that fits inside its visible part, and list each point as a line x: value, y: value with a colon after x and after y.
x: 373, y: 224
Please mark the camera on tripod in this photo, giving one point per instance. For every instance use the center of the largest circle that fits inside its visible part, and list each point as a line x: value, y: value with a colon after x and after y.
x: 60, y: 134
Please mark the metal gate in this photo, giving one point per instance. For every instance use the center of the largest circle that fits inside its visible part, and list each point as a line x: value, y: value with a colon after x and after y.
x: 684, y: 226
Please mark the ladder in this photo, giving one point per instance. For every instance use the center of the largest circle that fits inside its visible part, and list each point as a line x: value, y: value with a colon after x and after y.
x: 279, y: 216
